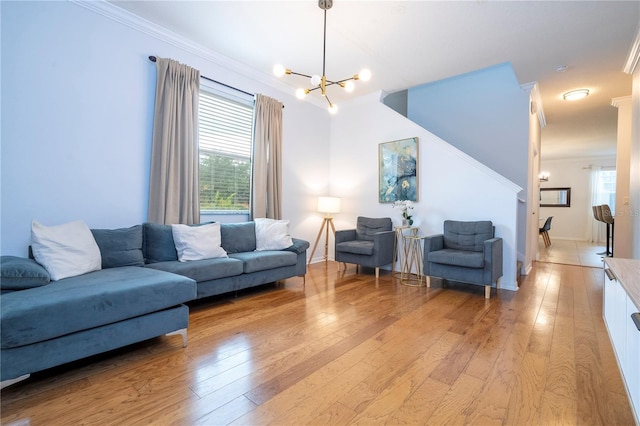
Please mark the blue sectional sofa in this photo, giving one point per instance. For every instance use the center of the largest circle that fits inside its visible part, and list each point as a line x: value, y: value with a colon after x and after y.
x: 245, y: 267
x: 139, y: 293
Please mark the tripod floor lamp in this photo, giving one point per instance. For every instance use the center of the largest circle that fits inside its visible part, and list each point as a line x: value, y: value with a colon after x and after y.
x: 326, y: 205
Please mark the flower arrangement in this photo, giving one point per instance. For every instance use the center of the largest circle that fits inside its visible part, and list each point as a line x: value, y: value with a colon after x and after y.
x: 405, y: 206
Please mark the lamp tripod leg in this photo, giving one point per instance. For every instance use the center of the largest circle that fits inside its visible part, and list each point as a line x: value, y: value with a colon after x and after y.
x: 324, y: 223
x: 326, y: 238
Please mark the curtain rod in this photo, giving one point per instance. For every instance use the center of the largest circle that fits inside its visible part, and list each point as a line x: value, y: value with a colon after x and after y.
x: 154, y: 59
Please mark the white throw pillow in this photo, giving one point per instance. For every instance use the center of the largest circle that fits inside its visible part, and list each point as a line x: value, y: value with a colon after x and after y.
x: 65, y: 250
x: 198, y: 242
x: 272, y: 234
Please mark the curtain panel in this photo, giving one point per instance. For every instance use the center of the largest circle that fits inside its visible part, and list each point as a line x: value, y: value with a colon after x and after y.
x: 266, y: 197
x: 595, y: 229
x: 174, y: 182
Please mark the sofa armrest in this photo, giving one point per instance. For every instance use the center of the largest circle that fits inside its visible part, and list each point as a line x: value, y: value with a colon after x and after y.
x: 493, y: 258
x: 433, y: 243
x: 383, y: 242
x: 384, y: 238
x: 299, y: 246
x: 345, y: 235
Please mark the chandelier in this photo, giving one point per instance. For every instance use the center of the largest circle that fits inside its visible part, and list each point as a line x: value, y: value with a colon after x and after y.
x: 321, y: 82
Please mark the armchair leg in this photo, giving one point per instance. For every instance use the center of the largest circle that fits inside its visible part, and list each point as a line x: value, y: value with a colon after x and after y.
x: 487, y: 291
x: 428, y: 280
x: 377, y: 272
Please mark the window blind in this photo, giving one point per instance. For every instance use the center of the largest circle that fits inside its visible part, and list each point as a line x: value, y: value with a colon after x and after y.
x: 225, y: 139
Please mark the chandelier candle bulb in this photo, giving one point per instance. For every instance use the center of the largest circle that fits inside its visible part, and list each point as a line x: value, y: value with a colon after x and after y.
x: 365, y: 75
x: 278, y: 70
x: 349, y: 86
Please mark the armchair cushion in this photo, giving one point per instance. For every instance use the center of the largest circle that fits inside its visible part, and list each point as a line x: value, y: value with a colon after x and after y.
x: 356, y: 247
x: 469, y: 259
x: 468, y: 236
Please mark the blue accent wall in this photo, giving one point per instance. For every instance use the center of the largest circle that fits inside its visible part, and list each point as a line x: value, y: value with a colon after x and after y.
x: 77, y: 113
x: 78, y: 93
x: 483, y: 113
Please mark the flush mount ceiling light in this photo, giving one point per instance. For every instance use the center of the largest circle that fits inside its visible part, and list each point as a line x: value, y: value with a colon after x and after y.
x: 574, y: 95
x: 321, y: 82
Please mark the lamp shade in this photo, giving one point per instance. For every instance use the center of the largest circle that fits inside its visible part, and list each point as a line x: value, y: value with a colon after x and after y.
x: 329, y: 205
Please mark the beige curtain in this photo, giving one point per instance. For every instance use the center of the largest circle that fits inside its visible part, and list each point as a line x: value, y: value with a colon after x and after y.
x: 173, y: 186
x: 266, y: 198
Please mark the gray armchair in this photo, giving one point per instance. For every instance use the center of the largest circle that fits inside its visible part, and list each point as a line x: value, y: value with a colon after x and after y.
x: 370, y: 244
x: 466, y: 252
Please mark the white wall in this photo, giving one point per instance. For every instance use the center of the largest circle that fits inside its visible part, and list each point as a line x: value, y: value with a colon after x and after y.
x: 634, y: 185
x: 452, y: 185
x: 571, y: 222
x: 77, y: 109
x: 622, y: 227
x: 533, y: 205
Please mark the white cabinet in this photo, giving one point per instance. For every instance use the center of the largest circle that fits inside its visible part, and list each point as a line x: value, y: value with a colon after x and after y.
x: 632, y: 349
x: 622, y: 300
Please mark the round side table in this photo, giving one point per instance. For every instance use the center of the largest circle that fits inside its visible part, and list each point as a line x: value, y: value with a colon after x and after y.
x: 400, y: 244
x: 414, y: 259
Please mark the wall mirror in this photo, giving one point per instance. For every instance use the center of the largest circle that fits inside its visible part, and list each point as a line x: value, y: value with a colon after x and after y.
x: 555, y: 197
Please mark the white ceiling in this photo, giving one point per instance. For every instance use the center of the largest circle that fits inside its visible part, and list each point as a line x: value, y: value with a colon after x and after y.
x: 409, y: 43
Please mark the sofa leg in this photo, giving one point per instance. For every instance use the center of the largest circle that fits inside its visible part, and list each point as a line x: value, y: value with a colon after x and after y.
x: 377, y: 272
x: 10, y: 382
x: 487, y: 291
x: 182, y: 332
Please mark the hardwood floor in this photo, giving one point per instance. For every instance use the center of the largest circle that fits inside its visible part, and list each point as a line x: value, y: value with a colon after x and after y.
x: 347, y: 349
x: 571, y: 252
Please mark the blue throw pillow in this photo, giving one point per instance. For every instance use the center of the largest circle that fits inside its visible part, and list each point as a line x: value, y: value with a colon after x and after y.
x: 120, y: 247
x: 238, y: 237
x: 19, y: 273
x: 158, y: 245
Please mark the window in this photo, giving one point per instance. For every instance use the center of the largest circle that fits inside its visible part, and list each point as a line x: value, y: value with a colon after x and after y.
x: 226, y: 134
x: 607, y: 189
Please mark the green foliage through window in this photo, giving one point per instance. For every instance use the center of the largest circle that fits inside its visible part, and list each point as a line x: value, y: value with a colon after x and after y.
x: 224, y: 182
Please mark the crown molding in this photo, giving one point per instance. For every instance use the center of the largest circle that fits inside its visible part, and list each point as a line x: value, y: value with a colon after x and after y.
x: 616, y: 102
x: 634, y: 55
x: 122, y: 16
